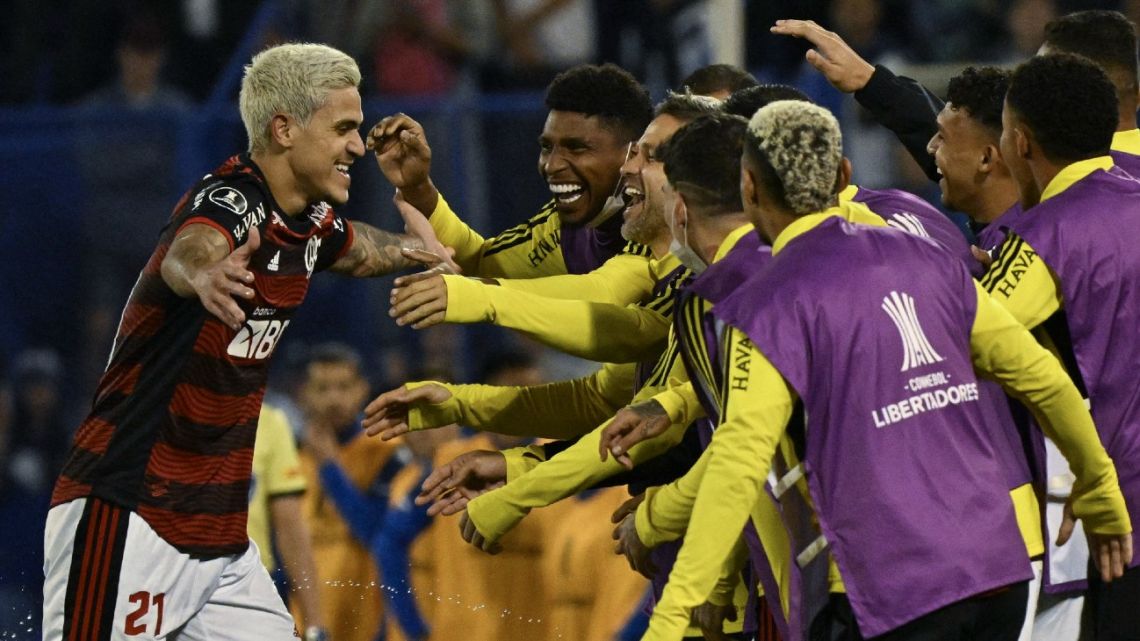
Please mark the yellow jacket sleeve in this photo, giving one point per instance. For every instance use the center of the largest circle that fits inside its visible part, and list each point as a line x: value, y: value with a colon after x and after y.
x: 1023, y: 283
x: 564, y: 409
x: 680, y: 402
x: 1005, y: 351
x: 623, y: 279
x: 738, y: 460
x: 573, y: 470
x: 590, y: 330
x: 664, y: 514
x: 528, y: 250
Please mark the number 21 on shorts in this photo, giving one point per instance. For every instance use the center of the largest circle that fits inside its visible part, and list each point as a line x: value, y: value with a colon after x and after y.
x: 138, y: 619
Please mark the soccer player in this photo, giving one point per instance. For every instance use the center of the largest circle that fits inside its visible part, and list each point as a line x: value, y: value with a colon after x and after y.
x: 865, y: 448
x: 907, y: 108
x: 897, y: 207
x: 147, y: 530
x: 593, y: 330
x: 543, y: 411
x: 588, y: 329
x: 1068, y: 270
x: 596, y: 112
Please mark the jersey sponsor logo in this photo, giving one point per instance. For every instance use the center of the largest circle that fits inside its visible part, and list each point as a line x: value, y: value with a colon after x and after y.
x: 278, y: 220
x: 257, y: 339
x: 252, y: 219
x: 741, y: 365
x: 312, y: 251
x: 263, y: 311
x: 1021, y: 264
x: 917, y: 350
x: 275, y: 262
x: 229, y: 198
x: 544, y: 248
x: 908, y: 222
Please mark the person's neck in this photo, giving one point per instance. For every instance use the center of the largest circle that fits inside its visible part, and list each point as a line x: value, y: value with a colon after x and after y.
x: 707, y: 233
x: 1126, y: 117
x: 660, y: 245
x: 995, y: 199
x: 282, y: 184
x: 1043, y: 171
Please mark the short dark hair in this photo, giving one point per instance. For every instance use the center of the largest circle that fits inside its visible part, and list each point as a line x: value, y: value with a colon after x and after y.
x: 686, y: 106
x: 719, y: 77
x: 981, y: 92
x: 702, y: 161
x: 746, y: 102
x: 333, y: 353
x: 606, y: 91
x: 1068, y: 103
x: 1107, y: 38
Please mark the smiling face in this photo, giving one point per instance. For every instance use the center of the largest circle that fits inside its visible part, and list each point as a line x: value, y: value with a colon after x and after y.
x: 643, y: 180
x: 959, y: 150
x: 323, y: 150
x: 580, y: 159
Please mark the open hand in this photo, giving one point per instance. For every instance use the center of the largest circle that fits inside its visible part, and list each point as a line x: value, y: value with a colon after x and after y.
x: 387, y: 414
x: 449, y: 487
x: 218, y: 284
x: 846, y: 70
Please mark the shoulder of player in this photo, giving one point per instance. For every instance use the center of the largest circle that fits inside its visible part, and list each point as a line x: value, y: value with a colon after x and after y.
x: 543, y: 224
x: 234, y: 194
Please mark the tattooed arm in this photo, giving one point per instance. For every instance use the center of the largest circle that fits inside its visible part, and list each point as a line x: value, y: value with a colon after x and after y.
x: 375, y: 252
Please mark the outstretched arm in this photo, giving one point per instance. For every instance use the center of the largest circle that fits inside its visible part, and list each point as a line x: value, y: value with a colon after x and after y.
x: 375, y: 252
x: 900, y: 104
x: 596, y: 331
x: 199, y: 263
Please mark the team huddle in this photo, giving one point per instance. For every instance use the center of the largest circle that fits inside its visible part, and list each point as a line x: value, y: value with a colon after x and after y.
x: 836, y: 417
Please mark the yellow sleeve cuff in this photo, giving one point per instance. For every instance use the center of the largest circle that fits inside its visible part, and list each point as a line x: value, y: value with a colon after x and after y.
x: 423, y: 416
x: 680, y: 403
x: 468, y: 301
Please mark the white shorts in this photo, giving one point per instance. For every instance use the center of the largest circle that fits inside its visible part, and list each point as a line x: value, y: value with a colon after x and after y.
x: 107, y: 575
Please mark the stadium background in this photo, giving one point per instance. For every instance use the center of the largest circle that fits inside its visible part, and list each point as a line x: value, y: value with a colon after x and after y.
x: 109, y: 110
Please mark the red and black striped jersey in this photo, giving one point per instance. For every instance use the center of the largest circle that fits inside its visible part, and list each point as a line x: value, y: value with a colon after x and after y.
x: 171, y: 431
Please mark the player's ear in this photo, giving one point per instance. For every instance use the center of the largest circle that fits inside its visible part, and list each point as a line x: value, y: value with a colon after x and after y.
x: 843, y: 176
x: 748, y: 187
x: 281, y: 130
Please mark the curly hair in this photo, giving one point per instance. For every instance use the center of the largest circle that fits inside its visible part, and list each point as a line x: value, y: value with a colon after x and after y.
x: 1107, y: 38
x: 719, y: 77
x: 797, y: 148
x: 981, y: 92
x: 748, y: 101
x: 702, y: 161
x: 1068, y: 103
x: 606, y: 91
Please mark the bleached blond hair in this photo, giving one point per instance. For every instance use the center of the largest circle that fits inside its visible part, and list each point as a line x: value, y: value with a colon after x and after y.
x: 293, y: 79
x: 804, y: 147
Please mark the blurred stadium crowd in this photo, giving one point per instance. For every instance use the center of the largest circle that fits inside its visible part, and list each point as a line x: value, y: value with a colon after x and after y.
x: 108, y: 109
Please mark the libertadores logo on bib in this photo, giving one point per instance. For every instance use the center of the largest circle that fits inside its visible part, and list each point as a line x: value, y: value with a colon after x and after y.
x: 917, y: 349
